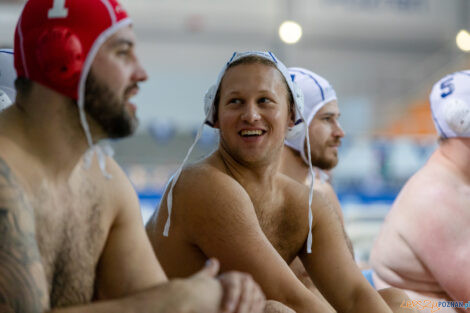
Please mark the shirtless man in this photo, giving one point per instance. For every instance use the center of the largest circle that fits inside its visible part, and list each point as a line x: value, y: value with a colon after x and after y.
x: 321, y: 114
x: 70, y: 235
x: 423, y: 246
x: 236, y: 206
x: 7, y: 78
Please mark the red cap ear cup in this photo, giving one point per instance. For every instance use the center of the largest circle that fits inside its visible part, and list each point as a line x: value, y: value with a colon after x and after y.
x: 60, y: 55
x: 56, y: 40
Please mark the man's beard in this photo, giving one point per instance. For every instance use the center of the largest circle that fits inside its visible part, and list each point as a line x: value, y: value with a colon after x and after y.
x: 108, y: 110
x: 323, y: 162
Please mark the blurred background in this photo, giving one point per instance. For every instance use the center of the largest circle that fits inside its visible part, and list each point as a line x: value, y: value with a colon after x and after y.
x: 381, y: 56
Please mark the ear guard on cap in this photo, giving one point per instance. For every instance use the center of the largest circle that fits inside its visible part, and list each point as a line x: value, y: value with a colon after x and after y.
x: 60, y: 56
x: 209, y: 107
x: 457, y: 116
x: 299, y: 100
x: 4, y: 100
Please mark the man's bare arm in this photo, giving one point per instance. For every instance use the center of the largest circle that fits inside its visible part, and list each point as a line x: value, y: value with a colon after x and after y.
x: 23, y: 286
x: 331, y: 267
x: 201, y: 293
x: 327, y: 190
x: 223, y: 224
x: 127, y: 264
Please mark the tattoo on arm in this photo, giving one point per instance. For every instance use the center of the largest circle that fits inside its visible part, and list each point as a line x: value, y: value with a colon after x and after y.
x: 23, y: 285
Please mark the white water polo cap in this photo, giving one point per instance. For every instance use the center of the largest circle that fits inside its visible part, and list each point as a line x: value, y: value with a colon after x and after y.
x: 7, y: 78
x: 209, y: 99
x: 317, y: 92
x: 450, y: 105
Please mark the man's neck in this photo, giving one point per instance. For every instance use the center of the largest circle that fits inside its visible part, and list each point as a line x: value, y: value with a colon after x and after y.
x: 293, y: 165
x: 52, y: 131
x: 261, y: 173
x: 456, y: 154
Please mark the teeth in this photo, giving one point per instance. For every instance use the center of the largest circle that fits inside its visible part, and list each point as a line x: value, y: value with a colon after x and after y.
x: 257, y: 132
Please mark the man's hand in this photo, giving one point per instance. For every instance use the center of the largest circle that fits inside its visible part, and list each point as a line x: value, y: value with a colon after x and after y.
x: 241, y: 294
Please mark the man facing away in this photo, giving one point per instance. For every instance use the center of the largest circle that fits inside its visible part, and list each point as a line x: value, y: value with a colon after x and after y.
x: 423, y: 246
x: 70, y: 225
x: 235, y: 204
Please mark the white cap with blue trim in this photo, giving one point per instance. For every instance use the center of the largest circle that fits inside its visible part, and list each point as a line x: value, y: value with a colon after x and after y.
x: 317, y: 92
x: 450, y: 105
x: 7, y: 78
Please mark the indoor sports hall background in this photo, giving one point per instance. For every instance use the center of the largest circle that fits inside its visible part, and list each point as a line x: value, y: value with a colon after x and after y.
x: 382, y: 57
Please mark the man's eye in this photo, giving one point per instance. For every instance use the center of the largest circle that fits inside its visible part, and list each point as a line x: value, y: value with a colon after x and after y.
x: 235, y: 101
x: 264, y: 100
x: 123, y: 52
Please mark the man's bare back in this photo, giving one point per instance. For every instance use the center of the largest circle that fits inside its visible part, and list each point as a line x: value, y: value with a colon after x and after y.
x: 423, y: 246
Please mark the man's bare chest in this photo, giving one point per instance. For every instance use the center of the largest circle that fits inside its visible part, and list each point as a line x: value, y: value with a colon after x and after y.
x: 285, y: 231
x: 70, y: 231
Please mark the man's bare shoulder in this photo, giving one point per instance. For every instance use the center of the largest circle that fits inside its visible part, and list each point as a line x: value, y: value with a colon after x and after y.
x: 296, y: 196
x: 205, y: 193
x: 207, y: 178
x: 293, y: 189
x: 427, y: 191
x: 116, y: 190
x: 427, y: 206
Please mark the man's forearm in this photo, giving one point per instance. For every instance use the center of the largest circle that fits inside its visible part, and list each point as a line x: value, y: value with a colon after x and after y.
x: 367, y: 302
x: 166, y: 298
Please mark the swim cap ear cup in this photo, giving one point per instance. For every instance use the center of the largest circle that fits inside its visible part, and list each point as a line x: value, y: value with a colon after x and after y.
x: 209, y: 109
x: 60, y: 56
x: 457, y: 116
x: 299, y: 99
x: 4, y: 100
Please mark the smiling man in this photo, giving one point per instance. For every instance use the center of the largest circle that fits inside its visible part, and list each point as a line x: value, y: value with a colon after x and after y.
x: 71, y: 232
x: 235, y: 204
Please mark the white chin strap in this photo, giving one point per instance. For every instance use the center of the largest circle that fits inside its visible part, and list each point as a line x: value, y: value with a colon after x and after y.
x: 174, y: 179
x: 310, y: 194
x: 102, y: 151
